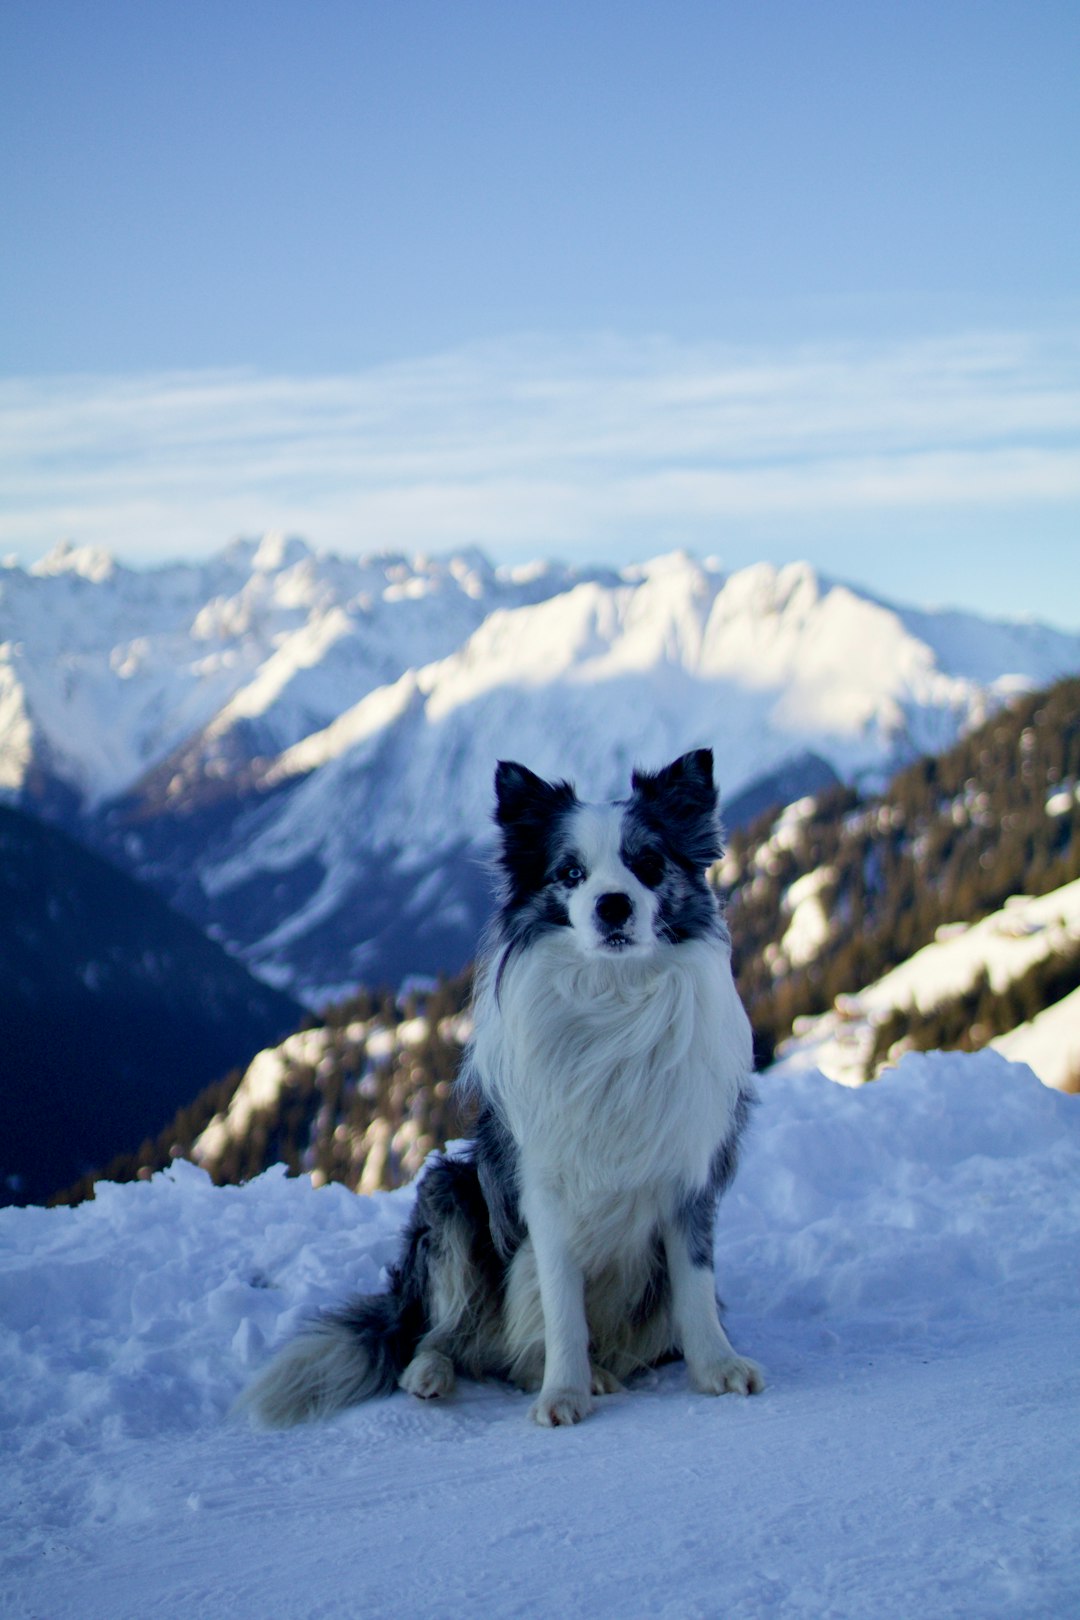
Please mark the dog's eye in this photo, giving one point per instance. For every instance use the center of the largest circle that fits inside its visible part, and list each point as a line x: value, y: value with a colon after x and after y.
x: 648, y: 868
x: 571, y: 874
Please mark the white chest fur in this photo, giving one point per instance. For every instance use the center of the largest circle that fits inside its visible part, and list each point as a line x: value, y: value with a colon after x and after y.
x: 615, y: 1076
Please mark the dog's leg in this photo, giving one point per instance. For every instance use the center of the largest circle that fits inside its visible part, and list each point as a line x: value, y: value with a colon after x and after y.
x: 714, y: 1366
x: 447, y: 1286
x: 565, y: 1395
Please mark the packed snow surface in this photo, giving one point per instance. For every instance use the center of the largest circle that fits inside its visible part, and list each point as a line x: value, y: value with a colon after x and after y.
x: 902, y: 1259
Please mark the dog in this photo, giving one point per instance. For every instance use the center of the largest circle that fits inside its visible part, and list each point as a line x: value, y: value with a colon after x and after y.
x: 571, y: 1244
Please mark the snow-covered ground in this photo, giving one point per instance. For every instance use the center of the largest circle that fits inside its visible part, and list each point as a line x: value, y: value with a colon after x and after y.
x: 901, y: 1258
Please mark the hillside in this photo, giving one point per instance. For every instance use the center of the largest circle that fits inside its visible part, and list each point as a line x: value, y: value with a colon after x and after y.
x: 837, y: 891
x: 116, y: 1010
x: 900, y: 1261
x: 297, y: 749
x: 977, y: 984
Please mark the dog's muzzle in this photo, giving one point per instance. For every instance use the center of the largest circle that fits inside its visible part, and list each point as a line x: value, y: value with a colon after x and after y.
x: 613, y: 912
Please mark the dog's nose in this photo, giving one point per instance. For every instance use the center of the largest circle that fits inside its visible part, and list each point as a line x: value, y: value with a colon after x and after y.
x: 614, y: 909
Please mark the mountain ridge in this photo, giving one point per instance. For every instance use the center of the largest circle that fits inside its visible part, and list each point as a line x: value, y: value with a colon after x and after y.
x: 297, y: 748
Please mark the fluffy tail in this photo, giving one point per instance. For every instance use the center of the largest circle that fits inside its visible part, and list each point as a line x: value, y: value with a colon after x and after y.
x: 449, y: 1278
x: 349, y: 1356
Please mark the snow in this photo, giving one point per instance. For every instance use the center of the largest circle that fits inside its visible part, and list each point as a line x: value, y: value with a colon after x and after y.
x: 901, y: 1258
x: 785, y: 834
x: 89, y: 562
x: 1004, y: 945
x: 808, y: 928
x: 1049, y: 1043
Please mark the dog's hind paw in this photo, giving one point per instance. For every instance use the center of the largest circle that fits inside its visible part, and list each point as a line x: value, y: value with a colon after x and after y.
x: 428, y: 1375
x: 604, y: 1382
x: 556, y: 1408
x: 729, y: 1375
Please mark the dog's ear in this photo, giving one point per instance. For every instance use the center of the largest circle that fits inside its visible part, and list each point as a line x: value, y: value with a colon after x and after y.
x: 521, y: 796
x: 525, y: 808
x: 688, y: 778
x: 681, y: 800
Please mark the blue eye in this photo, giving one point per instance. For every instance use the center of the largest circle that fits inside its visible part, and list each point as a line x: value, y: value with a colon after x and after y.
x: 571, y: 874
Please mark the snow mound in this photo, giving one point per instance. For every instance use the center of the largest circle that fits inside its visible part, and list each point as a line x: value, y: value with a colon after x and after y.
x: 901, y: 1258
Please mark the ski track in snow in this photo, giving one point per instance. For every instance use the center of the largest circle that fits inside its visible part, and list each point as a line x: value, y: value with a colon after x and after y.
x: 902, y: 1259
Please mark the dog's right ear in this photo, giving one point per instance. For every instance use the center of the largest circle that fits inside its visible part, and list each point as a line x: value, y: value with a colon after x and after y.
x: 526, y: 807
x: 522, y: 796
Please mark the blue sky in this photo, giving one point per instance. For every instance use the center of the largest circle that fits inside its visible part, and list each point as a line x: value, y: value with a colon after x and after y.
x: 595, y: 279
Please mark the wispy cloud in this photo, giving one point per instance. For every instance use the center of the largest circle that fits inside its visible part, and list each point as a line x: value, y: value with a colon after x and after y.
x: 533, y: 445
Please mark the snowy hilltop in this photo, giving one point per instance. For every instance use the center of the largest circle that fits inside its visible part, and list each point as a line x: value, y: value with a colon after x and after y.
x: 297, y: 748
x: 901, y: 1258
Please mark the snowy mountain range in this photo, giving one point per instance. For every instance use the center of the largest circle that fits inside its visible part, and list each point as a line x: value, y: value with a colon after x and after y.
x: 297, y: 748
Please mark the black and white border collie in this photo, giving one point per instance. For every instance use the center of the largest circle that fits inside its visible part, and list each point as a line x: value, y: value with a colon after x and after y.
x: 572, y: 1245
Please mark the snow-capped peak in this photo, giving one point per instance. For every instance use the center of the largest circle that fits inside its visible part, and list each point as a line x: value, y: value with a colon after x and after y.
x: 89, y: 562
x: 276, y: 551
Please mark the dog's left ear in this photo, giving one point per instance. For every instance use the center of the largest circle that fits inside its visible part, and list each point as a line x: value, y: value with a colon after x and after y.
x: 682, y: 798
x: 687, y: 780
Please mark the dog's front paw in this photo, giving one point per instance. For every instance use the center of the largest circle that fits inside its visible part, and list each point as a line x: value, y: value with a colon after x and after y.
x: 428, y: 1375
x: 604, y: 1382
x: 557, y: 1407
x: 729, y: 1374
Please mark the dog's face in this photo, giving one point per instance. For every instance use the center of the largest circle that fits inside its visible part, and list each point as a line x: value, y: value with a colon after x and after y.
x: 623, y: 877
